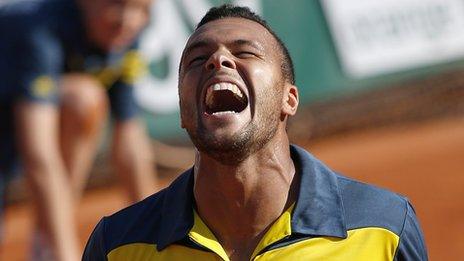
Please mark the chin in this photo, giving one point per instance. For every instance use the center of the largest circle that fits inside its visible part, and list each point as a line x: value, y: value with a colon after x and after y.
x: 228, y: 157
x: 226, y: 149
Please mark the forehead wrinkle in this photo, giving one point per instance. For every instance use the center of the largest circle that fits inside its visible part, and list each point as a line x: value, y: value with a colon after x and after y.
x: 234, y: 43
x: 226, y: 26
x: 243, y: 42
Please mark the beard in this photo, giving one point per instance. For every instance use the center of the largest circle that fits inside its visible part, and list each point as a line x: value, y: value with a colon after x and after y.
x: 235, y: 148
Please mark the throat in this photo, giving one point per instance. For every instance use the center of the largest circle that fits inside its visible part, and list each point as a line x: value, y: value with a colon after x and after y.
x: 240, y: 203
x: 240, y: 222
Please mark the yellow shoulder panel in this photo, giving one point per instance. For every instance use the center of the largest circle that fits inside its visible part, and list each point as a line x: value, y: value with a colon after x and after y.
x: 364, y: 244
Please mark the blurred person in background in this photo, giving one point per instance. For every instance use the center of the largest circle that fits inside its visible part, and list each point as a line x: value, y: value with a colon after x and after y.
x: 63, y: 63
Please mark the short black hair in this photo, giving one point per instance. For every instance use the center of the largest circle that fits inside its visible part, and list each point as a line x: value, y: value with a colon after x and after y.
x: 228, y: 10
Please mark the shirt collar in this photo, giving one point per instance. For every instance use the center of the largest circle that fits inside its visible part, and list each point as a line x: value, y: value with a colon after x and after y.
x: 176, y: 211
x: 318, y: 210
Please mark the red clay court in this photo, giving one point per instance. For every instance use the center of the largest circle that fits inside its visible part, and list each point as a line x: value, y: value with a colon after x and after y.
x: 424, y: 161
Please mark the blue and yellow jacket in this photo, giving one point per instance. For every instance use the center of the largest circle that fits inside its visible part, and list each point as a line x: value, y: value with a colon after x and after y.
x: 334, y: 218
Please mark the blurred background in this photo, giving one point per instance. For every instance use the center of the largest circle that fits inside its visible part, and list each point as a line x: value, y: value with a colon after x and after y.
x: 382, y: 100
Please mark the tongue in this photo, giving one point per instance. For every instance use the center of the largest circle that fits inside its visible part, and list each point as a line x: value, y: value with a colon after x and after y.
x: 225, y: 100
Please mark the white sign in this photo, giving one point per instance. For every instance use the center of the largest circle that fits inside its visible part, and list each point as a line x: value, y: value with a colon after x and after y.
x: 384, y: 36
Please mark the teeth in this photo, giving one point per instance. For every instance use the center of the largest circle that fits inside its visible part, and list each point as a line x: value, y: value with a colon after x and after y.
x: 237, y: 91
x: 219, y: 87
x: 223, y: 86
x: 223, y: 112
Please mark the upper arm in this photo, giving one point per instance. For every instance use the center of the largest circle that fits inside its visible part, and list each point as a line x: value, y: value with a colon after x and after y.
x: 95, y: 250
x: 412, y: 244
x: 34, y: 56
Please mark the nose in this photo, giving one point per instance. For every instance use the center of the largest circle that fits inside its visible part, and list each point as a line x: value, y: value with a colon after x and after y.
x: 220, y: 59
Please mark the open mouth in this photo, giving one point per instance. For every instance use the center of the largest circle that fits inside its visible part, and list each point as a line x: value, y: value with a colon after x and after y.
x: 224, y: 98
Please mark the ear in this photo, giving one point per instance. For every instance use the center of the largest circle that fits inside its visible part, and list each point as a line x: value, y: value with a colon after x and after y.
x: 290, y: 100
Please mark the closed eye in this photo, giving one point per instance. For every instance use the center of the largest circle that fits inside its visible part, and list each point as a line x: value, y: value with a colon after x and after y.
x: 245, y: 54
x: 197, y: 60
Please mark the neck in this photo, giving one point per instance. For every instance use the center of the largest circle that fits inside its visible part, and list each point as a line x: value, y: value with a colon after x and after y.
x: 240, y: 202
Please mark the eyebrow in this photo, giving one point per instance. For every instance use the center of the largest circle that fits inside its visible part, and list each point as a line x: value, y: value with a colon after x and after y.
x: 238, y: 42
x: 253, y: 44
x: 197, y: 45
